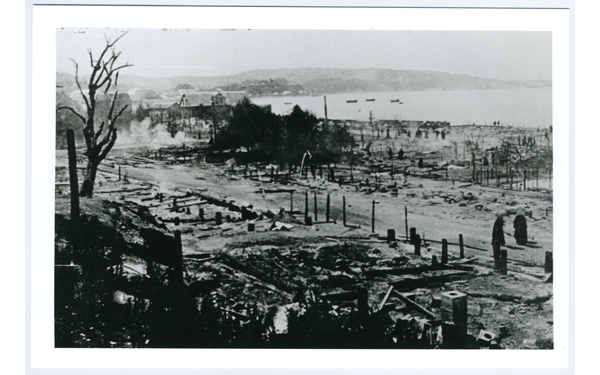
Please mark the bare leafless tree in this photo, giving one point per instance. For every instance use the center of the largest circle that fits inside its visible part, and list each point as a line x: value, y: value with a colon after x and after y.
x: 99, y: 141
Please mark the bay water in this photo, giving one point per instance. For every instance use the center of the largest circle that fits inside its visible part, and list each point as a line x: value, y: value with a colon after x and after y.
x: 523, y: 107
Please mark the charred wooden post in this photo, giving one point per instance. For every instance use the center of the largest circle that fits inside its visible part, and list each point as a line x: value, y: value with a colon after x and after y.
x: 391, y: 235
x: 316, y: 208
x: 218, y: 218
x: 548, y: 263
x: 291, y: 203
x: 413, y: 234
x: 363, y: 302
x: 344, y: 209
x: 119, y: 173
x: 373, y: 217
x: 250, y: 227
x: 473, y: 165
x: 417, y: 244
x: 73, y: 183
x: 462, y: 246
x: 434, y: 260
x: 444, y: 251
x: 201, y: 213
x: 511, y: 178
x: 406, y: 220
x: 306, y: 206
x: 327, y: 209
x: 177, y: 260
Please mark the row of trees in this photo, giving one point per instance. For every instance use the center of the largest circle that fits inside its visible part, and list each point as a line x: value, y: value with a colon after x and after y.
x: 282, y: 139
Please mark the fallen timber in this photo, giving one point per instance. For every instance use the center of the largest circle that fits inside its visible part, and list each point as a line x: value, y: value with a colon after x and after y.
x: 375, y: 271
x: 425, y: 281
x: 414, y: 304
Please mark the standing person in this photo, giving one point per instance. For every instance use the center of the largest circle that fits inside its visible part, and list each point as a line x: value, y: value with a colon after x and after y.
x: 401, y: 154
x: 498, y: 237
x: 520, y: 226
x: 498, y: 231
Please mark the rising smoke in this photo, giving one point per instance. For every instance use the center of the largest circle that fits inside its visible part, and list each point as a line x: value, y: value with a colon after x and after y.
x: 144, y: 133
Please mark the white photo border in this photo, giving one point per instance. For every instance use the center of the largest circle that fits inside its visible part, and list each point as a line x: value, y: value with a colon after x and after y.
x: 45, y: 20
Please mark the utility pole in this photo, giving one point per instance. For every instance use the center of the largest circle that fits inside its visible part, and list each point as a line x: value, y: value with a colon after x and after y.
x: 214, y: 113
x: 325, y: 102
x: 371, y: 123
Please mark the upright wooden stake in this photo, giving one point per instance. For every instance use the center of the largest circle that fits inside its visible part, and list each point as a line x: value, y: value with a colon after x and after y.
x: 344, y: 209
x: 327, y: 208
x: 306, y: 206
x: 74, y: 184
x: 417, y: 244
x: 291, y: 203
x: 548, y: 263
x: 373, y: 218
x: 462, y: 247
x: 316, y: 210
x: 444, y: 251
x: 406, y: 221
x: 178, y: 260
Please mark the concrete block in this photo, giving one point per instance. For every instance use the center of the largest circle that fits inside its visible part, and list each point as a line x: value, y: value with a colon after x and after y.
x: 485, y: 337
x: 454, y: 309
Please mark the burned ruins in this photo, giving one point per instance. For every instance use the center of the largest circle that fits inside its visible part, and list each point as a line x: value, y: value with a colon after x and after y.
x: 205, y: 220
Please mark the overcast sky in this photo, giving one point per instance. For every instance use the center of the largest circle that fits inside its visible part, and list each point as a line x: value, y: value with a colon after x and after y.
x: 180, y: 52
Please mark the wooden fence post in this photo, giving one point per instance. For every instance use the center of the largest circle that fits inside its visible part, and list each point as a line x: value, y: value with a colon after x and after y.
x: 327, y: 210
x: 74, y: 184
x: 316, y: 210
x: 444, y: 251
x: 344, y: 209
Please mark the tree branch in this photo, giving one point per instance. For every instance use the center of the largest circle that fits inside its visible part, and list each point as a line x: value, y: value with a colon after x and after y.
x: 99, y: 132
x: 110, y: 145
x: 87, y: 104
x: 74, y: 112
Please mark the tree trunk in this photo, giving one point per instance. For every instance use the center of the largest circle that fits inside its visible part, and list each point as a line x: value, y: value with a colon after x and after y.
x: 87, y: 187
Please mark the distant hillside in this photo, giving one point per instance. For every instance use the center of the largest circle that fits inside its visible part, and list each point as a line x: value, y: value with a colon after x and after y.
x: 329, y: 81
x: 324, y: 81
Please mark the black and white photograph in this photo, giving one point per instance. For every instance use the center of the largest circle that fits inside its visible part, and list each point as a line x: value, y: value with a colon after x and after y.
x: 306, y: 188
x: 303, y: 189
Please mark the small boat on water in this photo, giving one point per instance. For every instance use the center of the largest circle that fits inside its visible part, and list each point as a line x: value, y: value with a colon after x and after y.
x: 288, y: 103
x: 395, y: 100
x: 351, y: 101
x: 370, y: 100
